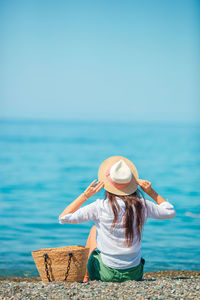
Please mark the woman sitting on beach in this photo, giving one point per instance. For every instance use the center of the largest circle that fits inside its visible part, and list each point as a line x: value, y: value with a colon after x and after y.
x: 114, y: 242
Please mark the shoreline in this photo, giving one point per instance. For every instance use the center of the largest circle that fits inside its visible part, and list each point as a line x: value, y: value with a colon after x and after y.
x: 179, y: 274
x: 155, y: 285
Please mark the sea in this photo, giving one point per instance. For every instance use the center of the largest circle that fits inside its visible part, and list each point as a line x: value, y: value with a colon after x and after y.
x: 45, y: 165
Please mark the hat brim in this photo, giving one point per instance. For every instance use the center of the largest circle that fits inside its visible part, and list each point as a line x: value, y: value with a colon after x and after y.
x: 108, y: 186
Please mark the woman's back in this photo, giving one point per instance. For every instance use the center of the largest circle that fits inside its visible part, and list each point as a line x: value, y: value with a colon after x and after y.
x: 114, y: 251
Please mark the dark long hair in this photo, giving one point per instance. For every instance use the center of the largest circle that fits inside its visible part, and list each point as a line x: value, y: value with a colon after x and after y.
x: 131, y: 200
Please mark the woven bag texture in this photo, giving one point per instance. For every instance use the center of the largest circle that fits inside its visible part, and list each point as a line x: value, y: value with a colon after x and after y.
x: 57, y: 263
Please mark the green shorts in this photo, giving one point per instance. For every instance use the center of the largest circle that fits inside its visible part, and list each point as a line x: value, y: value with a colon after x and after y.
x: 97, y: 270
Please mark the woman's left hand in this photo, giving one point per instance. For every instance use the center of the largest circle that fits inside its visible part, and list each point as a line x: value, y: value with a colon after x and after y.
x: 94, y: 188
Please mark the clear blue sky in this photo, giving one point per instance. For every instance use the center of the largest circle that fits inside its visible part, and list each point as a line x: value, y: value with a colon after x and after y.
x: 104, y: 60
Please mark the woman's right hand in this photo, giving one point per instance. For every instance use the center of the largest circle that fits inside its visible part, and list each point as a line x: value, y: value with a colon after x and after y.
x: 145, y: 185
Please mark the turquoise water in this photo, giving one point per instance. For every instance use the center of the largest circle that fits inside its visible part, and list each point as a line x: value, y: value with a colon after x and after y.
x: 46, y: 165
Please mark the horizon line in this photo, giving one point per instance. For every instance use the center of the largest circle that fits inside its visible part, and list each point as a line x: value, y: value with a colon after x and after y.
x: 73, y: 120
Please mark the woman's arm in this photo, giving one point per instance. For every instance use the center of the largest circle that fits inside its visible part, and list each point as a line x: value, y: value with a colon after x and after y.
x: 146, y: 187
x: 74, y: 205
x: 161, y: 210
x: 92, y: 189
x: 156, y: 197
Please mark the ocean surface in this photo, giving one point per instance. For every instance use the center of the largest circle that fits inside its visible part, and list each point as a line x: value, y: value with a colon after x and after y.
x: 45, y: 165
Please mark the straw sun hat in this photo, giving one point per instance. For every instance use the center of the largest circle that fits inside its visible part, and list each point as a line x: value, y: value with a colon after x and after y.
x: 118, y: 175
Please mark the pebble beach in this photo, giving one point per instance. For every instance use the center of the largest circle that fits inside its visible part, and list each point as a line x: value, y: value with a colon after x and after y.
x: 155, y: 285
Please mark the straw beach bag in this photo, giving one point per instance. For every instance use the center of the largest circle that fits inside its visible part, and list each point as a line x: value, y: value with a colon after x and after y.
x: 63, y: 263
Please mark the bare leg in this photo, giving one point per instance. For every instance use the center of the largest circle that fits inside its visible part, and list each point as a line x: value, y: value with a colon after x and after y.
x: 91, y: 244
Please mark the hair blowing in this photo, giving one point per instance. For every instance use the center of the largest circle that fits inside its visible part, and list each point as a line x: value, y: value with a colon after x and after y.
x: 133, y: 200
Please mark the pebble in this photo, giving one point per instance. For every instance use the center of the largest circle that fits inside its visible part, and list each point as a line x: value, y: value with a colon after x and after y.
x: 153, y: 286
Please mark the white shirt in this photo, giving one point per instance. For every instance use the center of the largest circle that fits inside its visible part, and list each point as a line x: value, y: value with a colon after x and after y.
x: 114, y: 253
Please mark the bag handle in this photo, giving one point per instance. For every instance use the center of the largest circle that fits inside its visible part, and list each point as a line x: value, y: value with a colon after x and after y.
x: 45, y: 255
x: 68, y: 267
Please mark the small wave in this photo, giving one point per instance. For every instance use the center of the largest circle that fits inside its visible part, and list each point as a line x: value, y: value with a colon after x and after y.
x: 189, y: 214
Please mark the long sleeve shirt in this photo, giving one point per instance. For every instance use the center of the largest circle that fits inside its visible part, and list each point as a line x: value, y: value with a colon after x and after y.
x: 114, y: 253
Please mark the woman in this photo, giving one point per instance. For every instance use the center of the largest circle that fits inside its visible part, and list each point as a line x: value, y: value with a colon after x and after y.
x: 114, y: 242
